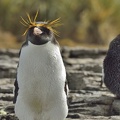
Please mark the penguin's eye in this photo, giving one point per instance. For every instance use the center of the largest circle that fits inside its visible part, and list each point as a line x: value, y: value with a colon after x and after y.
x: 45, y: 30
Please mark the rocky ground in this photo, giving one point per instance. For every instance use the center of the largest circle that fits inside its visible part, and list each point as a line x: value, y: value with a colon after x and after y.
x: 87, y: 99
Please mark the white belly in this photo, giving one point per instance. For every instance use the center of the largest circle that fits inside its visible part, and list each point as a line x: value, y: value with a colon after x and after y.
x: 41, y: 77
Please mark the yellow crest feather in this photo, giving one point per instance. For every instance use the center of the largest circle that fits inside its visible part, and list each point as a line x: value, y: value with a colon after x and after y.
x: 49, y: 25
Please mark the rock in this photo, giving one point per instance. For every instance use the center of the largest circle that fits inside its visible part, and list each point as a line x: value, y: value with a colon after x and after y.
x: 8, y: 117
x: 65, y: 52
x: 105, y: 100
x: 6, y: 97
x: 9, y: 52
x: 75, y: 80
x: 86, y: 53
x: 74, y: 116
x: 116, y: 107
x: 6, y: 85
x: 115, y: 118
x: 78, y: 80
x: 79, y: 52
x: 87, y: 100
x: 83, y: 61
x: 9, y: 109
x: 88, y: 105
x: 8, y: 67
x: 98, y: 110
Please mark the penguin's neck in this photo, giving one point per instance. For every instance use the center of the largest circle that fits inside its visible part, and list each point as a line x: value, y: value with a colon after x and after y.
x: 49, y: 47
x: 39, y: 46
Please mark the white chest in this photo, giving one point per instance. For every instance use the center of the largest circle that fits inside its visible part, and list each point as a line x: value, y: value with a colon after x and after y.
x: 41, y: 70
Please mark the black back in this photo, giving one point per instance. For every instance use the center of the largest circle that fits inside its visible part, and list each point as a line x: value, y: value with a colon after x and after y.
x: 111, y: 66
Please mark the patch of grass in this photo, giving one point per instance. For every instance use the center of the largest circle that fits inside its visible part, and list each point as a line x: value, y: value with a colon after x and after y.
x: 67, y: 42
x: 7, y: 40
x: 71, y: 43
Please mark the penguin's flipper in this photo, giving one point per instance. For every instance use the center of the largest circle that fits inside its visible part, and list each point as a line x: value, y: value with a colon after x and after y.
x: 66, y: 88
x: 15, y: 91
x: 101, y: 82
x: 16, y: 87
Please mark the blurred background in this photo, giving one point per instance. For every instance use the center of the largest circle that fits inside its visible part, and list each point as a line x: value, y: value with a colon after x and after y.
x: 91, y: 23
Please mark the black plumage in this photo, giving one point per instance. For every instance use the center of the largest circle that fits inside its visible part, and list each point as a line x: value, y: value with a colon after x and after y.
x: 15, y: 91
x: 16, y: 87
x: 111, y: 66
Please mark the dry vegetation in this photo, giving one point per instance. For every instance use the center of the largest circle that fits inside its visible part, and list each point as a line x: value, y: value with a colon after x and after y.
x: 91, y: 22
x: 7, y: 40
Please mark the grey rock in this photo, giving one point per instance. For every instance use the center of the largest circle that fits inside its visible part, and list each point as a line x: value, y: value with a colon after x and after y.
x: 87, y: 100
x: 8, y: 117
x: 9, y: 109
x: 86, y: 53
x: 86, y: 105
x: 74, y: 115
x: 115, y: 117
x: 6, y: 85
x: 6, y: 97
x: 75, y: 80
x: 78, y: 80
x: 8, y: 68
x: 9, y: 52
x: 116, y: 106
x: 105, y: 100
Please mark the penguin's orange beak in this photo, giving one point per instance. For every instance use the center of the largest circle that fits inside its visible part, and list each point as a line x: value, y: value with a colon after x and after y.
x: 37, y: 31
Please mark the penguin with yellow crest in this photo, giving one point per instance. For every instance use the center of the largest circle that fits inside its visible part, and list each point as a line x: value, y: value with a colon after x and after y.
x: 40, y: 86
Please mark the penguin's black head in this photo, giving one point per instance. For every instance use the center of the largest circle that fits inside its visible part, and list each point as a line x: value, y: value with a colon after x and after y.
x: 39, y: 35
x: 115, y: 43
